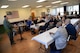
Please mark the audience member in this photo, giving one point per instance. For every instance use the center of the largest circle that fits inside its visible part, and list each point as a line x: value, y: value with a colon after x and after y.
x: 65, y: 15
x: 58, y: 18
x: 29, y: 22
x: 63, y: 21
x: 76, y: 13
x: 70, y: 29
x: 78, y: 28
x: 72, y: 13
x: 41, y: 20
x: 35, y: 20
x: 51, y: 25
x: 54, y: 20
x: 60, y: 39
x: 15, y: 29
x: 47, y: 19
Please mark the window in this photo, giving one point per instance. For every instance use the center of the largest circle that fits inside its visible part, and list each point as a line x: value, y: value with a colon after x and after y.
x: 54, y: 12
x: 57, y: 10
x: 61, y: 10
x: 76, y: 8
x: 73, y: 9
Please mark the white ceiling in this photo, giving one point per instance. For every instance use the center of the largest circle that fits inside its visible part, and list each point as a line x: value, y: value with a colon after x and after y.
x: 33, y: 3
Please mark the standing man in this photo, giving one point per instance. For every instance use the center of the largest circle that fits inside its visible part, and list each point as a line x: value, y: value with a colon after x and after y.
x: 8, y: 28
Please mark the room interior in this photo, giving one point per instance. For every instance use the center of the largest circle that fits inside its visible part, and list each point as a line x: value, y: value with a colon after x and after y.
x: 36, y: 6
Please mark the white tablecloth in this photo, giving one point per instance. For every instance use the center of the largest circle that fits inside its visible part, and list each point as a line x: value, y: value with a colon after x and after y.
x: 45, y: 38
x: 37, y: 25
x: 73, y: 21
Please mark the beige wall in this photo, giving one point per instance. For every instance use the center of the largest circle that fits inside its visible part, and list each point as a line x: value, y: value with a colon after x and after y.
x: 23, y: 13
x: 39, y: 10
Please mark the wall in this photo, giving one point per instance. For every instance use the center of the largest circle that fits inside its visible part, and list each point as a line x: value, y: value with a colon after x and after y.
x: 39, y: 10
x: 23, y: 13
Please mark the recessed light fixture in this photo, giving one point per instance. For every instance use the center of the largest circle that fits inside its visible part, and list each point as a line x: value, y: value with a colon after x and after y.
x: 56, y: 2
x: 40, y: 1
x: 12, y: 0
x: 4, y: 6
x: 39, y: 6
x: 25, y: 6
x: 48, y: 6
x: 64, y: 3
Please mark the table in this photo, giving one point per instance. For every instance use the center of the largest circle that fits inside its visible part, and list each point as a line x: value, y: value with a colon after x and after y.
x: 45, y: 38
x: 37, y: 25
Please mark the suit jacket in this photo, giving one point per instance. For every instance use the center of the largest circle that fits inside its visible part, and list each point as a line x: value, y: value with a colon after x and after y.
x: 55, y: 21
x: 71, y: 31
x: 7, y: 25
x: 60, y: 38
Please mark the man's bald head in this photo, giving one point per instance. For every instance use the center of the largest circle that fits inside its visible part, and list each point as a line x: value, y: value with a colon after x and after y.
x: 67, y: 21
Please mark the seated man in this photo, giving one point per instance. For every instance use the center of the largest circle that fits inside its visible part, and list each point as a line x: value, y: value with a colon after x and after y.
x: 70, y: 29
x: 60, y: 39
x: 51, y: 25
x: 15, y: 29
x: 78, y: 28
x: 29, y: 22
x: 35, y: 21
x: 43, y: 28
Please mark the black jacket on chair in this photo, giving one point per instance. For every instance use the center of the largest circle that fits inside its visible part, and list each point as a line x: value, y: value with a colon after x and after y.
x: 71, y: 31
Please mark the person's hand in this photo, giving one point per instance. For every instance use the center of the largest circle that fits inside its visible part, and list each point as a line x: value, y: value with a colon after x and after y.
x: 51, y: 33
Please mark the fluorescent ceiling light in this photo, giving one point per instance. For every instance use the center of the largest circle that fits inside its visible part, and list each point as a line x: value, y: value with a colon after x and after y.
x: 48, y: 6
x: 56, y: 2
x: 39, y: 6
x: 4, y: 6
x: 12, y: 0
x: 55, y: 6
x: 64, y: 3
x: 40, y: 1
x: 25, y: 6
